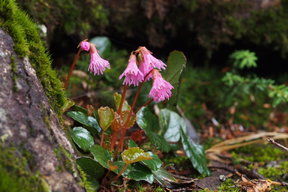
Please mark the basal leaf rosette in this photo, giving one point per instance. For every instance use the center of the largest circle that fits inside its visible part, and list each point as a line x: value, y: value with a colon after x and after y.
x: 134, y: 154
x: 106, y: 116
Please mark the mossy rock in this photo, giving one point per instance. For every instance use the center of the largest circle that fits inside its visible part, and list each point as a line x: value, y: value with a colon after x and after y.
x: 28, y: 43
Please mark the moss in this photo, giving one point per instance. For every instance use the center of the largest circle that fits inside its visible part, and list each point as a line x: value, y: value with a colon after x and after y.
x: 15, y: 174
x: 228, y: 186
x: 28, y: 43
x: 258, y: 153
x: 179, y: 160
x: 67, y: 159
x: 274, y: 172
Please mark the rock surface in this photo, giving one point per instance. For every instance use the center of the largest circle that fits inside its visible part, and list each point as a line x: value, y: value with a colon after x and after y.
x: 27, y: 121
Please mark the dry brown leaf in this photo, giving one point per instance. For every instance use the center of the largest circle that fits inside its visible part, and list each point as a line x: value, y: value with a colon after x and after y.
x: 255, y: 185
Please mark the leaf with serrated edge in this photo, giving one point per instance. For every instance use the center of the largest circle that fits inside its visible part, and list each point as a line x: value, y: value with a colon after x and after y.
x: 106, y: 116
x: 134, y: 154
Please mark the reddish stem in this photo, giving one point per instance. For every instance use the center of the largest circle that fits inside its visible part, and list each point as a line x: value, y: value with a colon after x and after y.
x: 131, y: 111
x: 120, y: 173
x: 102, y: 138
x: 71, y: 68
x: 122, y: 99
x: 113, y: 141
x: 145, y: 104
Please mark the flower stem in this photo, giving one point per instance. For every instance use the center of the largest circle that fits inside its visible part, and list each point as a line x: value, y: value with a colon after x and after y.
x: 122, y: 99
x: 120, y: 173
x: 102, y: 138
x: 145, y: 104
x: 71, y: 68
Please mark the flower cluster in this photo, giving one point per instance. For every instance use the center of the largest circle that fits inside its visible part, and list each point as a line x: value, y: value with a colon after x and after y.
x: 142, y: 66
x: 149, y: 68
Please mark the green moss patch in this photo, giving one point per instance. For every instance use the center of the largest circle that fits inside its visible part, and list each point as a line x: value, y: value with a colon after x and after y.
x: 28, y: 43
x: 15, y: 174
x: 259, y: 153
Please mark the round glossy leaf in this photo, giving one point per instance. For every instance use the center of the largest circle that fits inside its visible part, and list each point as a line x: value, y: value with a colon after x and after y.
x: 84, y: 119
x: 82, y: 138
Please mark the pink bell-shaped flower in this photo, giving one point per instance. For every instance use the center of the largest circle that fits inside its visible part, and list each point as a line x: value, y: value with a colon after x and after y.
x: 84, y: 45
x: 133, y: 76
x: 161, y: 89
x: 97, y: 64
x: 149, y: 62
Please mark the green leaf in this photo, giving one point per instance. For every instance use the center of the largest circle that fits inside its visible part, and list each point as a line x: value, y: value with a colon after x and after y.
x: 88, y: 121
x: 117, y: 100
x: 90, y: 171
x: 131, y: 143
x: 106, y: 116
x: 82, y: 138
x: 90, y: 167
x: 81, y: 109
x: 169, y: 125
x: 153, y: 164
x: 195, y: 153
x: 103, y: 44
x: 163, y: 177
x: 135, y: 171
x: 101, y: 155
x: 158, y: 141
x: 175, y: 66
x: 134, y: 154
x: 148, y: 122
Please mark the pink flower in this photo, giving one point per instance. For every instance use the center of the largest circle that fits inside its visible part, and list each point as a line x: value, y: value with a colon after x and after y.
x: 84, y: 45
x: 133, y: 75
x: 149, y: 62
x: 97, y: 64
x: 161, y: 89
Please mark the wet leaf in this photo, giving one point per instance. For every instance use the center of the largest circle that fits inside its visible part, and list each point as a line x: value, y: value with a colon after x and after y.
x: 101, y: 155
x: 148, y: 122
x: 134, y: 154
x: 117, y: 100
x: 106, y: 116
x: 153, y: 164
x: 169, y: 125
x: 82, y: 138
x: 88, y: 121
x: 163, y: 177
x: 195, y: 153
x: 135, y: 171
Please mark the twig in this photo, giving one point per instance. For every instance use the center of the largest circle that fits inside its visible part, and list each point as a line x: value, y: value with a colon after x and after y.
x: 277, y: 144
